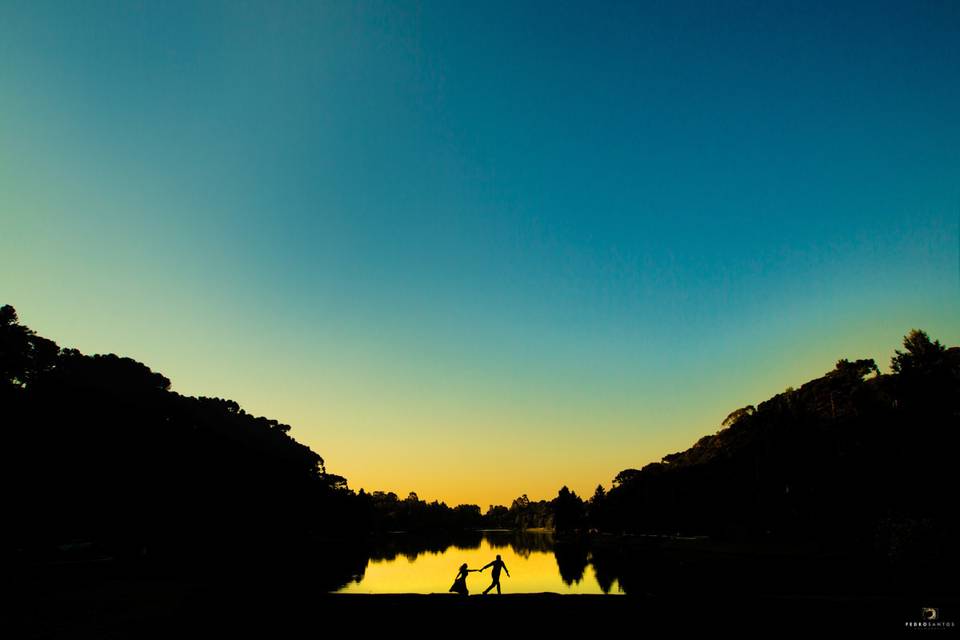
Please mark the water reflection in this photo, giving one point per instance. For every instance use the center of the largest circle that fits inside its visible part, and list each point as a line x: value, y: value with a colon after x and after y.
x: 402, y: 563
x: 635, y: 565
x: 572, y: 559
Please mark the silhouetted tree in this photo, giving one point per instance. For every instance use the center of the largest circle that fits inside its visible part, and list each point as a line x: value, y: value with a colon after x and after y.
x: 596, y: 516
x: 738, y: 415
x: 568, y: 511
x: 625, y: 477
x: 920, y: 354
x: 24, y: 356
x: 497, y: 517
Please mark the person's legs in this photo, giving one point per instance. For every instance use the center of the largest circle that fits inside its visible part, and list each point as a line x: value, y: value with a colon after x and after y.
x: 498, y: 587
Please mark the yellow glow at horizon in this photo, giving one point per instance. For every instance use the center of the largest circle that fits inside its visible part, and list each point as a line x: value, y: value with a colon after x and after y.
x: 387, y: 425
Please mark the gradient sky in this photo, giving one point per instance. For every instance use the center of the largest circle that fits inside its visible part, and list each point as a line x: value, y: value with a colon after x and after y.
x: 475, y: 250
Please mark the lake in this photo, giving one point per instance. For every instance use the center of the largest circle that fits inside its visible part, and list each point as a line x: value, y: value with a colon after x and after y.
x: 405, y: 563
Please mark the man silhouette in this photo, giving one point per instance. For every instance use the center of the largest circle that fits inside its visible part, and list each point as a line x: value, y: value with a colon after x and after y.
x: 497, y: 566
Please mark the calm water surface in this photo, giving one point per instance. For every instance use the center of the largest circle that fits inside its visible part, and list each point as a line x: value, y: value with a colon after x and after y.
x: 405, y: 564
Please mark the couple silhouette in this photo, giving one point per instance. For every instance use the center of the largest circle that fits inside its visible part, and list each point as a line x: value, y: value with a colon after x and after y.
x: 460, y: 583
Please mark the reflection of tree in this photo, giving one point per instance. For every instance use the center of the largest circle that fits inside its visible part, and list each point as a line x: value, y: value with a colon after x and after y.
x: 571, y: 560
x: 604, y: 568
x: 525, y: 543
x: 499, y: 540
x: 411, y: 546
x: 637, y: 567
x: 339, y: 565
x: 522, y: 543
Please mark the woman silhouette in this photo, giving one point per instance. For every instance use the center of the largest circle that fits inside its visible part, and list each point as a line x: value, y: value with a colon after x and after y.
x: 460, y: 582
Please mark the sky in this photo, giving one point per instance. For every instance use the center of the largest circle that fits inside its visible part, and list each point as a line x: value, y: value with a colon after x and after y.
x: 482, y: 249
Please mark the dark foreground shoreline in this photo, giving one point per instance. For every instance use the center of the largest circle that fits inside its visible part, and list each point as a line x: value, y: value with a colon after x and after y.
x: 175, y: 609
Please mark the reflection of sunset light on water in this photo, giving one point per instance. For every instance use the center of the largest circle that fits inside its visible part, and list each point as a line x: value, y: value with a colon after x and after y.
x: 430, y: 572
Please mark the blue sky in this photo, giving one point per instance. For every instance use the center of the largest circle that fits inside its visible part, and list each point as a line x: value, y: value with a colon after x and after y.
x: 440, y: 239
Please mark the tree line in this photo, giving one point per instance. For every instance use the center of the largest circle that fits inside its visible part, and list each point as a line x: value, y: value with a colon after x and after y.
x: 854, y: 459
x: 100, y: 448
x: 102, y: 452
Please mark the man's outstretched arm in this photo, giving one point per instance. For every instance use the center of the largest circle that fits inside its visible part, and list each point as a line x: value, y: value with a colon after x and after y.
x: 489, y: 564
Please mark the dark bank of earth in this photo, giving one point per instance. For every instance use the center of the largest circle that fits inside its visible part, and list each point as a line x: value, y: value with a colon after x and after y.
x: 164, y: 608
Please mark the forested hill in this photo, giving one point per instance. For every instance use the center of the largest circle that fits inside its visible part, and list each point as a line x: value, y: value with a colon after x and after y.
x: 101, y: 450
x: 854, y: 455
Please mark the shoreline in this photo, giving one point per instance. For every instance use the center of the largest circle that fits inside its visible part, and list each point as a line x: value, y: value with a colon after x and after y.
x: 170, y: 608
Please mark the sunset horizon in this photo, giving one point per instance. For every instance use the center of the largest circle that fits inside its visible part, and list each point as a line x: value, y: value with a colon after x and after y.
x: 480, y: 252
x: 477, y: 484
